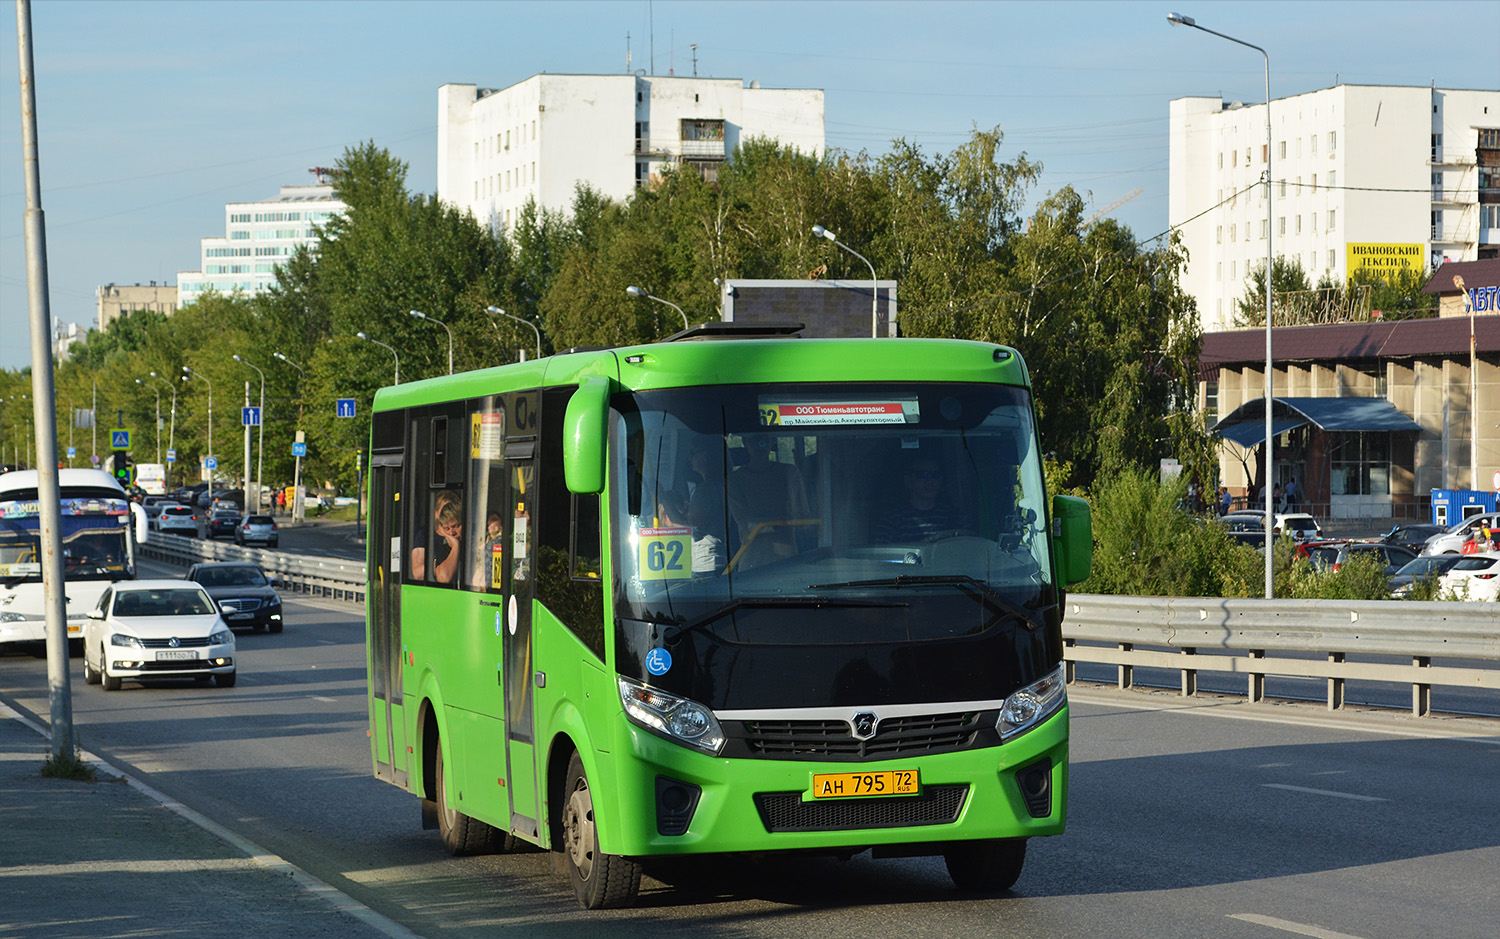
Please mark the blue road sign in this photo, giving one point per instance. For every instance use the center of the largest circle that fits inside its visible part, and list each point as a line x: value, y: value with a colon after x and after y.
x: 299, y: 449
x: 345, y: 407
x: 171, y: 455
x: 72, y: 452
x: 250, y: 417
x: 211, y: 462
x: 119, y: 439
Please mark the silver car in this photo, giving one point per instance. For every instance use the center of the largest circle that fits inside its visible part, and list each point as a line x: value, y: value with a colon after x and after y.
x: 178, y: 519
x: 1452, y: 540
x: 256, y: 529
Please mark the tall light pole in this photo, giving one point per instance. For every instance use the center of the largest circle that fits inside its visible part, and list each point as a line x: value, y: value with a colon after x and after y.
x: 188, y: 373
x: 260, y: 434
x: 1177, y: 19
x: 296, y: 505
x: 423, y: 316
x: 1473, y: 388
x: 172, y: 423
x: 822, y: 232
x: 388, y: 349
x: 158, y: 416
x: 496, y: 311
x: 638, y: 293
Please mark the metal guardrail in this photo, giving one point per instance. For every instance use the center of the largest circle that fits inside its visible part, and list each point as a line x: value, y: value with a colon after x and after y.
x: 325, y: 577
x: 1193, y: 634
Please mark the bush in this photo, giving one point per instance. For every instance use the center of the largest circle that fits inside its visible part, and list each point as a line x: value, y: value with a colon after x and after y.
x: 1362, y: 577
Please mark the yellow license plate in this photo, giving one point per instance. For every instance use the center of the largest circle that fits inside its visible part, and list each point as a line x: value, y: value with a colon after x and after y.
x: 889, y: 782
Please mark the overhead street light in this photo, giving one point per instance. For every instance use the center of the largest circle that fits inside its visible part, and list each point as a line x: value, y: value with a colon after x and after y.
x: 496, y: 311
x: 423, y: 316
x: 296, y: 506
x: 1178, y: 19
x: 822, y: 232
x: 388, y: 349
x: 158, y: 416
x: 172, y: 424
x: 638, y: 293
x: 188, y: 374
x: 260, y: 433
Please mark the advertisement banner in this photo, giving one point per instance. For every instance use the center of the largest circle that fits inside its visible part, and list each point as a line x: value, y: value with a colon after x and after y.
x: 1372, y: 258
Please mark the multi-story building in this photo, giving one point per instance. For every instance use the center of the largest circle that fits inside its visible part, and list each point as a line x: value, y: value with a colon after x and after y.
x: 541, y: 137
x: 1361, y: 176
x: 113, y: 300
x: 257, y: 237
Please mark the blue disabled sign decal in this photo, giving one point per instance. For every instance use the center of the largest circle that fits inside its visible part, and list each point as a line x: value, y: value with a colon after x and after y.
x: 658, y: 661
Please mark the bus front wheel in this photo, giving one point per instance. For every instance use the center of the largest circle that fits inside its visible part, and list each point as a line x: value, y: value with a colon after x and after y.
x: 599, y: 880
x: 461, y: 835
x: 986, y: 866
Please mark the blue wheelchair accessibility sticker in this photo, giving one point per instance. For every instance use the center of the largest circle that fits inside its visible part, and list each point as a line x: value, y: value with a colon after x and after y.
x: 658, y: 661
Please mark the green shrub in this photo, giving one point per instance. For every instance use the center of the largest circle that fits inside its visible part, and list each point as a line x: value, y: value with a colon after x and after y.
x: 1362, y: 577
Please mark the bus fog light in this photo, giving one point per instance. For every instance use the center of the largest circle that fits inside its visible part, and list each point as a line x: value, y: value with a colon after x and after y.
x: 676, y: 718
x: 1030, y: 705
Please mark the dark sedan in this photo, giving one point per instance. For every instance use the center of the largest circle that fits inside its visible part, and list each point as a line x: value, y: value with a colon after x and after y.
x: 1412, y: 536
x: 244, y: 595
x: 223, y: 522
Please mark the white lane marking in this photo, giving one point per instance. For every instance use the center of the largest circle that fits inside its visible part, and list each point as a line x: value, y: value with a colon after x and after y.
x: 328, y: 642
x: 318, y: 888
x: 318, y: 697
x: 1324, y: 792
x: 1300, y: 929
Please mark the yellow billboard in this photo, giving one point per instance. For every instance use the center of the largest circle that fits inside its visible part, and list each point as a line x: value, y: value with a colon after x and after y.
x: 1369, y: 258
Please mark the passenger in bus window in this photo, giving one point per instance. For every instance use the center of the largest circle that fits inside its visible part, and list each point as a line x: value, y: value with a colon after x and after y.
x: 484, y: 566
x: 447, y: 526
x: 768, y: 502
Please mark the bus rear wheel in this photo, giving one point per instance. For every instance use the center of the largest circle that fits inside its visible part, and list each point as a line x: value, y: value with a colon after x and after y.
x: 986, y: 866
x: 461, y: 835
x: 600, y: 881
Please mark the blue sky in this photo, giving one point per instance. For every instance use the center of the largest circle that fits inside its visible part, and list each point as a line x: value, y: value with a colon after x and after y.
x: 152, y: 115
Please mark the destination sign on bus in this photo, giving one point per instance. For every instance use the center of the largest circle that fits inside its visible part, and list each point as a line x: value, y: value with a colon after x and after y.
x: 783, y: 413
x: 31, y: 508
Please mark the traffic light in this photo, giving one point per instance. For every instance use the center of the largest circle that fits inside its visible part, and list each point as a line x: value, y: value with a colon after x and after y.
x: 122, y: 469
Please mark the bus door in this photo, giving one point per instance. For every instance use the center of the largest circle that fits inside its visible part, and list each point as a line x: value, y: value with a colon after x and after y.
x: 519, y: 576
x: 387, y: 721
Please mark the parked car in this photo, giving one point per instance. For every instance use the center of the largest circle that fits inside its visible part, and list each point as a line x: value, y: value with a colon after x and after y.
x: 1452, y: 540
x: 145, y: 629
x: 229, y: 499
x: 1332, y: 555
x: 242, y: 591
x: 1245, y: 528
x: 1473, y: 577
x: 223, y: 522
x: 1424, y: 567
x: 178, y: 520
x: 1412, y: 536
x: 1299, y: 525
x: 256, y: 529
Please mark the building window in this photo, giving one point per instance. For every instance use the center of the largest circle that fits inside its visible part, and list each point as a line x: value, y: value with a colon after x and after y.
x: 1333, y: 219
x: 1333, y: 140
x: 1299, y: 224
x: 1221, y: 160
x: 1489, y: 217
x: 1281, y: 225
x: 239, y: 236
x: 1315, y: 182
x: 1312, y: 143
x: 1281, y: 189
x: 1281, y: 154
x: 1360, y: 464
x: 1265, y: 153
x: 1332, y: 258
x: 1333, y: 179
x: 1219, y: 234
x: 1312, y: 221
x: 1437, y: 148
x: 1234, y: 158
x: 1210, y: 403
x: 1489, y: 138
x: 1219, y: 271
x: 1234, y: 270
x: 1234, y: 232
x: 1263, y: 231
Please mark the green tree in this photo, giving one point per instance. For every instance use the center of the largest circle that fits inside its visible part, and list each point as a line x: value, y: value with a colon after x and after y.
x: 1287, y: 276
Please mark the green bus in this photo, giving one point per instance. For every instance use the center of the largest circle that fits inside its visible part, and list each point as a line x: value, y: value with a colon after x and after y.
x: 729, y: 592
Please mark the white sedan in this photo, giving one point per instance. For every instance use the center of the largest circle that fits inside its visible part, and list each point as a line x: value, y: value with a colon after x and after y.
x: 144, y: 629
x: 1474, y: 577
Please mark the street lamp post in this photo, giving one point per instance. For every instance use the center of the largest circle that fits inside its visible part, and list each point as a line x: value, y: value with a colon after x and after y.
x: 638, y: 293
x: 296, y: 505
x: 188, y: 373
x: 388, y: 349
x: 158, y: 416
x: 496, y: 311
x: 1177, y: 19
x: 423, y: 316
x: 1473, y: 388
x: 260, y: 434
x: 822, y: 232
x: 172, y: 422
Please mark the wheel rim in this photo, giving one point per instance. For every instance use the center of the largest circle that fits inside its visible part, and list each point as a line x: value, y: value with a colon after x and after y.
x: 578, y: 829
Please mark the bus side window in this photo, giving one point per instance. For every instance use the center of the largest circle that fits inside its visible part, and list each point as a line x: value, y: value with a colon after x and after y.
x: 569, y: 579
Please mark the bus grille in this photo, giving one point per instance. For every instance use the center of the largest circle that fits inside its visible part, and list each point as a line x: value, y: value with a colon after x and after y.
x: 786, y: 811
x: 181, y: 643
x: 896, y: 736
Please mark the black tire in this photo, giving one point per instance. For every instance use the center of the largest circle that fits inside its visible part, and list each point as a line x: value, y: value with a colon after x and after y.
x: 91, y: 674
x: 460, y: 834
x: 110, y: 682
x: 75, y: 648
x: 986, y: 866
x: 600, y: 881
x: 226, y: 681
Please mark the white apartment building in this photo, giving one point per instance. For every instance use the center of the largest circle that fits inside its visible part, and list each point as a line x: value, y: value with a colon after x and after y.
x: 542, y: 136
x: 1361, y: 175
x: 257, y: 237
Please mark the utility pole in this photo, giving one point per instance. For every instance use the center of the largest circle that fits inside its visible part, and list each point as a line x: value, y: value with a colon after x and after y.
x: 44, y: 407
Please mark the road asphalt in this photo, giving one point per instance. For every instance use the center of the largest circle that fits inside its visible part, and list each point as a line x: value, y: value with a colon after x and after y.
x: 114, y: 857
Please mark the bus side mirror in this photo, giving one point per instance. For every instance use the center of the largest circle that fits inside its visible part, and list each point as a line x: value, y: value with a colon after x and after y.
x: 585, y: 426
x: 1072, y: 538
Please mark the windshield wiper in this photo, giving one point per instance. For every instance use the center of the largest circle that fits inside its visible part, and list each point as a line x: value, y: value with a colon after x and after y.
x: 983, y: 588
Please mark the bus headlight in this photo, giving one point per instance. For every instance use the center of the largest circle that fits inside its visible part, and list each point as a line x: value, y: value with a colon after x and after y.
x: 120, y: 639
x: 9, y: 617
x: 1033, y: 704
x: 679, y: 719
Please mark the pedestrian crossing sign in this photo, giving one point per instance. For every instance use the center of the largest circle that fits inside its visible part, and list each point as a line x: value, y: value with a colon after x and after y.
x: 119, y: 439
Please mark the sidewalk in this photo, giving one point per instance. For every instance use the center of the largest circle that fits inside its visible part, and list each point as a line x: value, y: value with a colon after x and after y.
x: 108, y: 858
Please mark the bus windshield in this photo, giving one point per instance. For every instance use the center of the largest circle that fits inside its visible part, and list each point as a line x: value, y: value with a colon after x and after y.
x: 890, y: 499
x: 95, y: 541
